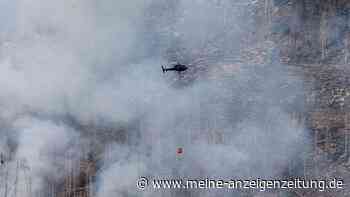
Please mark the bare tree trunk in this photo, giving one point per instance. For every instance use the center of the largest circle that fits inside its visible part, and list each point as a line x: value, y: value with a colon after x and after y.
x: 16, y: 179
x: 346, y: 52
x: 268, y: 11
x: 6, y: 181
x: 323, y: 35
x: 347, y: 133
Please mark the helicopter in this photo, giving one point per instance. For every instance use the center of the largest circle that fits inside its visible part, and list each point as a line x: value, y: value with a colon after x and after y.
x: 176, y: 67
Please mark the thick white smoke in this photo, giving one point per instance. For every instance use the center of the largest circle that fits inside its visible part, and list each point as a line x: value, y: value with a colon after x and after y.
x: 43, y: 144
x: 99, y: 62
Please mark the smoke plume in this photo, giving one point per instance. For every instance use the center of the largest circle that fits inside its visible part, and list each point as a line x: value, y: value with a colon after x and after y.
x: 71, y: 67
